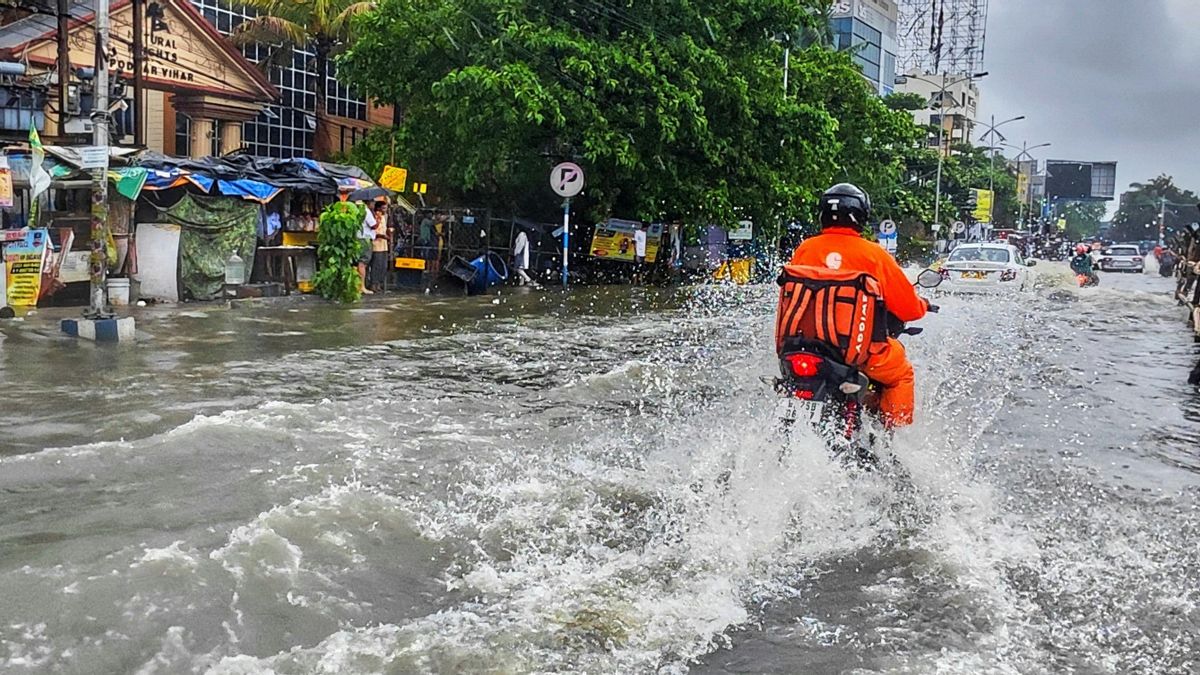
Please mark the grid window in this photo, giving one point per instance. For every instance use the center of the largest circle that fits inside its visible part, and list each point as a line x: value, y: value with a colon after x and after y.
x: 282, y: 130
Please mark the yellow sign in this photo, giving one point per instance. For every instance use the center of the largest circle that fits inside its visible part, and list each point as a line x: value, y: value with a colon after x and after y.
x: 983, y: 206
x: 23, y: 267
x: 615, y: 240
x: 419, y: 188
x: 394, y: 178
x: 736, y: 270
x: 1023, y: 187
x: 6, y: 186
x: 410, y: 264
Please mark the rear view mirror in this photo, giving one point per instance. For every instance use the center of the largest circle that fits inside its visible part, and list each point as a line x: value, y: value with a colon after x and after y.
x: 929, y: 279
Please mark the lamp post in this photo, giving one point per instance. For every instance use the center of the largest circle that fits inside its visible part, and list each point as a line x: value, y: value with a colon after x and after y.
x: 1025, y: 148
x: 942, y: 88
x: 991, y: 134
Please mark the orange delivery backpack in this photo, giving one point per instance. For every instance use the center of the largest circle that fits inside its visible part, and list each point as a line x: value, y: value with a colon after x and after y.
x: 842, y: 309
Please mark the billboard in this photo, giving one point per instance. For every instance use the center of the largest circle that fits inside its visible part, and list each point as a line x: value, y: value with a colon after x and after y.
x: 613, y: 240
x: 1081, y: 181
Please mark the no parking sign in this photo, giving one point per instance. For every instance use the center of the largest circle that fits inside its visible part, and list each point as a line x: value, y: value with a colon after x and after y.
x: 888, y: 237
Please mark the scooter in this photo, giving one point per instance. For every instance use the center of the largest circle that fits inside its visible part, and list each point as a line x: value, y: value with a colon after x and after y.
x: 836, y: 395
x: 1086, y: 280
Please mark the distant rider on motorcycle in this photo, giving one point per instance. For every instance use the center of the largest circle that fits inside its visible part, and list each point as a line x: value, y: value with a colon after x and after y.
x: 844, y: 211
x: 1081, y: 265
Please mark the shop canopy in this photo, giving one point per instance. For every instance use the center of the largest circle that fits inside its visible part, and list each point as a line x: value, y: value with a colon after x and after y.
x: 257, y: 179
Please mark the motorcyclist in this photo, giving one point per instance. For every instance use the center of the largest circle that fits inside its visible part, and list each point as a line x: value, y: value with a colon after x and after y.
x: 1081, y: 264
x: 844, y: 211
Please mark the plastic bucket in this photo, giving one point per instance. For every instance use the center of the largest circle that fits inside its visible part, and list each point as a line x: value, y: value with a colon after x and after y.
x: 490, y: 270
x: 118, y: 292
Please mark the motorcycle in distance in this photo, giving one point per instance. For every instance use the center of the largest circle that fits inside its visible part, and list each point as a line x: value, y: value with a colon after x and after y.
x: 835, y: 395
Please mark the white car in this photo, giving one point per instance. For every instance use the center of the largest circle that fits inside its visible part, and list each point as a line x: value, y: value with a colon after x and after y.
x: 1122, y: 258
x: 986, y: 267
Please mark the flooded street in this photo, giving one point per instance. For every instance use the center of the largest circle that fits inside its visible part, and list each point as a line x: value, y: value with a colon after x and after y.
x: 529, y: 484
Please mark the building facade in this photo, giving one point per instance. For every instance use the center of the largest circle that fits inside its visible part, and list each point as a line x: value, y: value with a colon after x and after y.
x: 867, y: 28
x: 200, y: 94
x: 953, y: 104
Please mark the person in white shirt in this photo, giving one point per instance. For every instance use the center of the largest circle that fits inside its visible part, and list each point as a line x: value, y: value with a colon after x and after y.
x: 521, y: 257
x: 639, y: 244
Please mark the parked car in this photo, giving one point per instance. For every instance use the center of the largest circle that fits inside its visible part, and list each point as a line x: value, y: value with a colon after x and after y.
x: 1122, y: 258
x: 986, y: 267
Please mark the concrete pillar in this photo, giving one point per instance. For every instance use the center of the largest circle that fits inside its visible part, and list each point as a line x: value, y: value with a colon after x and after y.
x: 231, y: 136
x: 202, y: 129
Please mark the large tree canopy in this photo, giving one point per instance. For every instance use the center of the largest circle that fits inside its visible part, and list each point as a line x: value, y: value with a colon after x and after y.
x: 1137, y: 219
x: 676, y: 109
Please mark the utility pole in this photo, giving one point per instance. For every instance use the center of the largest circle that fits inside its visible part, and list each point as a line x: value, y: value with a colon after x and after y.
x: 139, y: 128
x: 98, y: 262
x: 64, y: 65
x: 1162, y: 221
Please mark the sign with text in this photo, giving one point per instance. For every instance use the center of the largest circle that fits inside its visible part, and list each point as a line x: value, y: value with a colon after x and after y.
x: 23, y: 261
x: 613, y: 240
x: 93, y: 157
x: 743, y: 232
x: 394, y: 178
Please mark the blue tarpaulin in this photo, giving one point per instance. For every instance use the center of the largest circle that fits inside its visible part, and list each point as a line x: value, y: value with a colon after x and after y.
x: 248, y: 189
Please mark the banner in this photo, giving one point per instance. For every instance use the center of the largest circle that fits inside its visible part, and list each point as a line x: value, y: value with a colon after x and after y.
x: 613, y: 240
x: 983, y: 206
x: 1023, y: 187
x: 23, y: 261
x: 6, y: 185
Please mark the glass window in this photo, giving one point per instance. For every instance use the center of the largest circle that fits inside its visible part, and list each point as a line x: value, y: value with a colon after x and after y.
x: 287, y: 133
x: 978, y: 253
x: 866, y: 33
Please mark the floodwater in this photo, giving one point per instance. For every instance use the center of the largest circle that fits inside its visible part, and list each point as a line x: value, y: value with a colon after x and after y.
x: 529, y: 484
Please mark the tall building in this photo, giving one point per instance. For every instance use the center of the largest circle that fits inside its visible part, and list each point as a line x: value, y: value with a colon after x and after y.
x: 953, y: 104
x: 868, y: 29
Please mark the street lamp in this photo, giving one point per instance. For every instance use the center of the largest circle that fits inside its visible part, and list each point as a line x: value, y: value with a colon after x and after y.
x: 1025, y: 148
x: 992, y: 134
x: 937, y: 200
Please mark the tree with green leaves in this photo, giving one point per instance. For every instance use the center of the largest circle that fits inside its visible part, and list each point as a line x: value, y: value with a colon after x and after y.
x: 1138, y: 217
x: 338, y: 251
x: 676, y: 109
x: 283, y: 26
x: 1083, y: 219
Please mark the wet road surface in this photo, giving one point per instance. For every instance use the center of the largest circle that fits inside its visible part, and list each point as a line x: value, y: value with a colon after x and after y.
x: 527, y: 484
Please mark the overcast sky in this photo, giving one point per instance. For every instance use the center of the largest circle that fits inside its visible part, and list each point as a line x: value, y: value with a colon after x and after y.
x: 1102, y: 80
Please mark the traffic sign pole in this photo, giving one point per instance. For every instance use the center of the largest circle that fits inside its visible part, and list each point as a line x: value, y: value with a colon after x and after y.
x: 566, y: 238
x: 566, y: 180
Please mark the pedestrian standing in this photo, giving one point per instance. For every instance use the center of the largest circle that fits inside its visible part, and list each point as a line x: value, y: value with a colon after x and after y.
x: 366, y: 236
x: 379, y: 248
x: 521, y: 257
x: 639, y: 251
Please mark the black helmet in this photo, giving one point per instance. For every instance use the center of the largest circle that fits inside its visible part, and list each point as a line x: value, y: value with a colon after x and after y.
x: 845, y: 205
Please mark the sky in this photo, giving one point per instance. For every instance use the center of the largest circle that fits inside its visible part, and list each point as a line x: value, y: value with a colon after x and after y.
x: 1101, y: 80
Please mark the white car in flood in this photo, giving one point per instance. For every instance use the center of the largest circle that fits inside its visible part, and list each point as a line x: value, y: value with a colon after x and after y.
x: 986, y: 267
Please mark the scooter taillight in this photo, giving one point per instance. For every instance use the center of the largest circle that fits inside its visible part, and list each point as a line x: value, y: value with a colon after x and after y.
x: 804, y: 364
x: 804, y: 394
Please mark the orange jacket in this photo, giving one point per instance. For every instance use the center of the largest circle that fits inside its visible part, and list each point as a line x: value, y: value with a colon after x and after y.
x: 844, y: 248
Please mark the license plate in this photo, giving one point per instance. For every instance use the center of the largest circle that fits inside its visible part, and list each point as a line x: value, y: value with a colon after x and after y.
x: 1122, y: 263
x: 974, y: 275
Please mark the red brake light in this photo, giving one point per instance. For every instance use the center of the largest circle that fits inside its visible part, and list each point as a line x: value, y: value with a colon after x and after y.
x: 804, y: 365
x: 804, y: 394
